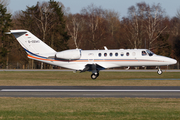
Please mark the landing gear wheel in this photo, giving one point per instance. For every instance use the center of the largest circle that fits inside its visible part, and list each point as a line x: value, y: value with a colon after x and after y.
x: 93, y: 76
x: 159, y: 71
x: 97, y: 74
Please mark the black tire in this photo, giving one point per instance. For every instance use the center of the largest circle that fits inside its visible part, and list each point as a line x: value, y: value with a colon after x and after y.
x: 97, y: 75
x: 93, y: 76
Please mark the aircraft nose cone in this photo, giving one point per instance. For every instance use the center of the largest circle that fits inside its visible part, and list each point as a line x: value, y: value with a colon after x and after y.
x: 173, y: 61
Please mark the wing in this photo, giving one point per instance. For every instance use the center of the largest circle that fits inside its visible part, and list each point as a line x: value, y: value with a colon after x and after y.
x: 92, y: 67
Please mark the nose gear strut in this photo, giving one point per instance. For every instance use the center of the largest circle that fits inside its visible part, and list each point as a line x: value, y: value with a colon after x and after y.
x: 159, y: 71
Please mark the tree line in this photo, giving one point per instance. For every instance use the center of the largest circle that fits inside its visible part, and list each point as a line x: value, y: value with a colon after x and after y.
x: 145, y: 26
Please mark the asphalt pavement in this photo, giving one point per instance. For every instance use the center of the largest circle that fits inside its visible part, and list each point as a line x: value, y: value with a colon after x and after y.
x: 91, y: 91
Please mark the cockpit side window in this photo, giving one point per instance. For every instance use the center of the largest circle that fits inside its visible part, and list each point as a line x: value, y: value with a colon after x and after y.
x: 144, y: 53
x: 150, y: 53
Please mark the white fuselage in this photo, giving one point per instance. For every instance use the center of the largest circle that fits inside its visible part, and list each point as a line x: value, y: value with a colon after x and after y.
x: 110, y: 59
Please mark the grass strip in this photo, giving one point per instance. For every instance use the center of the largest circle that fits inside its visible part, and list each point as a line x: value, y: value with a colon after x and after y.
x: 89, y: 108
x: 55, y: 78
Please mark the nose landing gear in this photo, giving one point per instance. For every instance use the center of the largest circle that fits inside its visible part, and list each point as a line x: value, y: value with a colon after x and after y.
x: 159, y: 71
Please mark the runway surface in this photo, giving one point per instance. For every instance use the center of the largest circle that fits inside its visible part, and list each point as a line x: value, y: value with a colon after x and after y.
x: 107, y: 70
x: 91, y: 91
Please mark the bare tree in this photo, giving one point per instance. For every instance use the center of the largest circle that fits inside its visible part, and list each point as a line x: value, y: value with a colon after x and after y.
x: 144, y: 21
x: 153, y: 22
x: 134, y: 25
x: 113, y: 20
x: 175, y: 26
x: 75, y: 26
x: 94, y: 21
x: 43, y: 18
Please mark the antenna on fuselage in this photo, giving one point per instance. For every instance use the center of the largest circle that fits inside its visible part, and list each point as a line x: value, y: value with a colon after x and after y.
x: 105, y: 48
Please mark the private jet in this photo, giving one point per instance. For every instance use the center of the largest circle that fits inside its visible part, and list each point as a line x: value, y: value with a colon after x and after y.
x: 89, y: 60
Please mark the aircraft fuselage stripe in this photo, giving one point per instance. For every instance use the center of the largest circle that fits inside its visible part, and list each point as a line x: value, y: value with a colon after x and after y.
x: 95, y: 60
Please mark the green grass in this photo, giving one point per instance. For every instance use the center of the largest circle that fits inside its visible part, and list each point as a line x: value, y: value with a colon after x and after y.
x: 83, y: 79
x: 89, y: 108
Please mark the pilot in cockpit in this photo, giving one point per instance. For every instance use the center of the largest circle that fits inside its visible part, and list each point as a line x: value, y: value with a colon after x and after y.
x: 144, y: 53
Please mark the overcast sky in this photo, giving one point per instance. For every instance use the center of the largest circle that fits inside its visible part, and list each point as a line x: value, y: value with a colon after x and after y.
x: 121, y: 6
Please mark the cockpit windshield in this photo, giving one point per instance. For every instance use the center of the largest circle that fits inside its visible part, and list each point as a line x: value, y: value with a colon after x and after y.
x: 150, y: 53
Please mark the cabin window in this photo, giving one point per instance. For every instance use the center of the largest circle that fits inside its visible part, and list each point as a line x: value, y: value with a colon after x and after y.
x: 110, y: 54
x: 127, y: 54
x: 144, y: 53
x: 99, y: 54
x: 105, y: 54
x: 116, y: 54
x: 122, y: 54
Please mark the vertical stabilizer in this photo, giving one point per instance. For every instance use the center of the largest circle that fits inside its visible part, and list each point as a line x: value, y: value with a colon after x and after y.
x: 31, y: 43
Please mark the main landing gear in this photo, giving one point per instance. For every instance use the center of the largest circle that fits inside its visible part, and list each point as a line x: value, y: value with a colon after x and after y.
x: 93, y: 68
x: 94, y: 75
x: 95, y: 71
x: 159, y: 71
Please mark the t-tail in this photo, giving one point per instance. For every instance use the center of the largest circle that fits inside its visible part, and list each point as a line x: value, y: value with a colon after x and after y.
x: 32, y: 45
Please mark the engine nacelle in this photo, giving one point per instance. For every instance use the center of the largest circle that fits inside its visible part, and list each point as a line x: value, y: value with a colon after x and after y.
x: 69, y: 54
